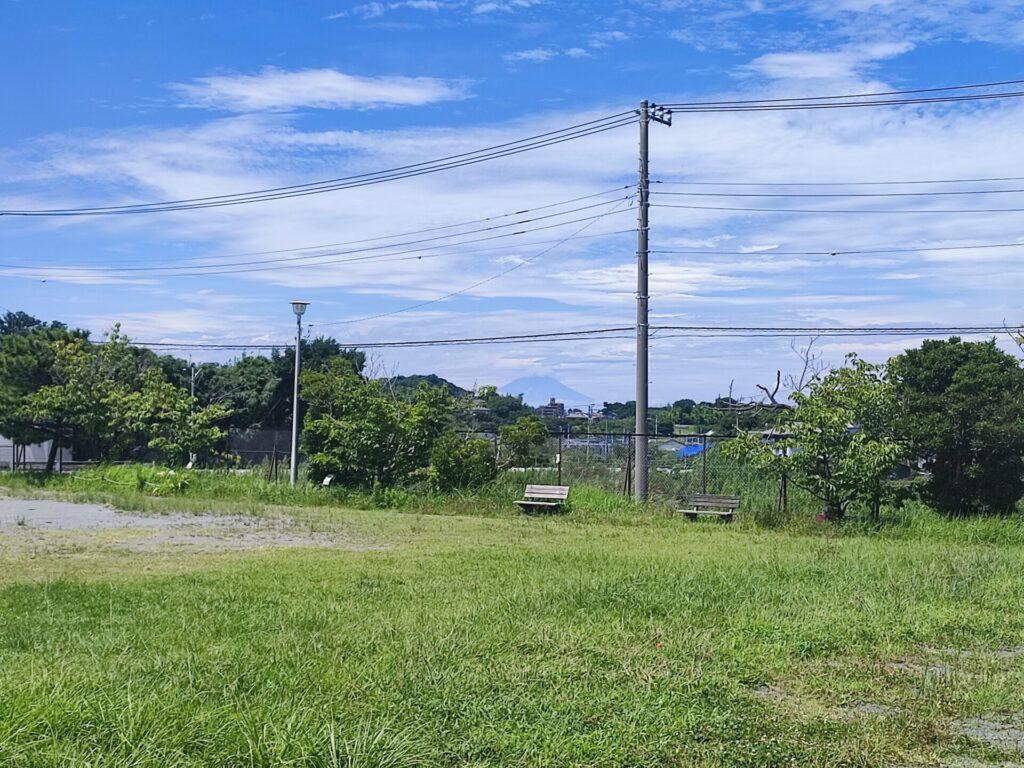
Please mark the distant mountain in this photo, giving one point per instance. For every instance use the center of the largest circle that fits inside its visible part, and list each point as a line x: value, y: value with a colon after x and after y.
x: 538, y: 390
x: 406, y: 385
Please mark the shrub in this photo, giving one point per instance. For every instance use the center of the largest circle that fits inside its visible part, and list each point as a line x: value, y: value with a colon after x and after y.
x: 457, y: 463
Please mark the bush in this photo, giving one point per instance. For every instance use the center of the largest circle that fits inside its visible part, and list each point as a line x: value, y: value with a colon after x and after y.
x: 962, y: 411
x: 457, y: 463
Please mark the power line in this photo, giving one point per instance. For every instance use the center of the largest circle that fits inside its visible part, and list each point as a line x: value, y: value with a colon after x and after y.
x: 861, y: 252
x: 323, y: 246
x: 550, y: 336
x: 477, y: 284
x: 682, y: 331
x: 834, y: 183
x: 939, y: 193
x: 222, y: 268
x: 773, y: 107
x: 971, y: 86
x: 757, y: 331
x: 507, y: 149
x: 834, y: 210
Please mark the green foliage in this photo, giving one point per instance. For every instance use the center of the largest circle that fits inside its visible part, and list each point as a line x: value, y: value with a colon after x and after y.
x: 524, y: 441
x: 89, y: 392
x: 169, y: 419
x: 487, y: 410
x: 27, y: 353
x: 99, y: 396
x: 456, y: 463
x: 962, y: 410
x: 841, y: 447
x: 356, y: 432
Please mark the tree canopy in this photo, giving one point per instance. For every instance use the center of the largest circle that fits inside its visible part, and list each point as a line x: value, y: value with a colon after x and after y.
x: 961, y: 409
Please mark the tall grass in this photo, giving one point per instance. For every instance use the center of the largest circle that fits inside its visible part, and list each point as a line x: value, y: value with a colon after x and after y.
x: 523, y: 643
x: 148, y: 488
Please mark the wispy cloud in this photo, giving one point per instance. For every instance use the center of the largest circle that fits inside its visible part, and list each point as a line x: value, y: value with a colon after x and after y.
x: 535, y: 55
x: 848, y: 62
x: 604, y: 39
x: 274, y: 89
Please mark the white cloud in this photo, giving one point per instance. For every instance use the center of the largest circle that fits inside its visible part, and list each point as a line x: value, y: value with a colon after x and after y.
x: 842, y: 64
x: 506, y: 6
x: 604, y: 39
x: 535, y: 55
x: 275, y: 89
x: 751, y: 279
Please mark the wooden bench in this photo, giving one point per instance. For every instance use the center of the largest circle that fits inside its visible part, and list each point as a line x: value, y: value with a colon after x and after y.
x: 545, y: 498
x: 710, y: 504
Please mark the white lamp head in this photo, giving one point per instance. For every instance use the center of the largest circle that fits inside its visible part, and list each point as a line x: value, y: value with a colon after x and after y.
x: 299, y: 307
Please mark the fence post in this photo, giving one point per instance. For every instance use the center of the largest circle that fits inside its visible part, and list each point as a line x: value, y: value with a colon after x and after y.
x: 558, y: 457
x: 782, y: 507
x: 704, y: 464
x: 627, y: 484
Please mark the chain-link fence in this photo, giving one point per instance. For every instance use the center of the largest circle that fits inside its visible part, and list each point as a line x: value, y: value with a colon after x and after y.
x: 678, y: 466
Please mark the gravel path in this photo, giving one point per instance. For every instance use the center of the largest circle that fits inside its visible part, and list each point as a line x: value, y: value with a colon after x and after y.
x: 36, y: 522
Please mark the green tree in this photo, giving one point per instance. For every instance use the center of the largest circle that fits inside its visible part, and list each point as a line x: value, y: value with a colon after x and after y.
x: 27, y: 352
x: 458, y: 463
x: 88, y: 393
x: 842, y: 446
x: 170, y: 421
x: 962, y: 411
x: 356, y: 432
x: 524, y: 440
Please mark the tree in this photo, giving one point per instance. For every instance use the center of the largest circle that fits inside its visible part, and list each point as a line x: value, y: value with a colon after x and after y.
x: 87, y: 393
x: 962, y: 411
x: 27, y: 350
x: 171, y: 423
x: 356, y: 432
x: 317, y: 356
x: 22, y: 322
x: 841, y: 446
x: 458, y: 463
x: 524, y: 440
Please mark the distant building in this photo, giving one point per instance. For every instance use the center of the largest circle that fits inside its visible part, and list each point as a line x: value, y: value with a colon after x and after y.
x: 14, y: 455
x: 575, y: 413
x: 553, y: 410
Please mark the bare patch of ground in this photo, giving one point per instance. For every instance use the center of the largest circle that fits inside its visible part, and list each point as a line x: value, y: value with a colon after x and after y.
x: 1003, y: 733
x: 34, y: 523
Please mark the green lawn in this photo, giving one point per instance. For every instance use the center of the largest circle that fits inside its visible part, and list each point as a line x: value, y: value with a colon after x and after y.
x: 444, y: 641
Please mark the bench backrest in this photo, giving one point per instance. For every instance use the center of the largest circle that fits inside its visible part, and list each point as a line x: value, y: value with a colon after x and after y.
x: 711, y: 500
x: 558, y: 492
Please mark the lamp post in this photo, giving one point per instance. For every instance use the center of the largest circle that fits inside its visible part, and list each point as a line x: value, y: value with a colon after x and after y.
x: 298, y: 307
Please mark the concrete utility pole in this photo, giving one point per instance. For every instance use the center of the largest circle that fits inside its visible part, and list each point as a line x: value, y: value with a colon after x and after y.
x: 298, y: 307
x: 647, y: 113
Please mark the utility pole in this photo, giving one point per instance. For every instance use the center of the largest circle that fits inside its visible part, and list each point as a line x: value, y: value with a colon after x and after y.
x: 647, y: 113
x: 193, y: 379
x: 298, y: 307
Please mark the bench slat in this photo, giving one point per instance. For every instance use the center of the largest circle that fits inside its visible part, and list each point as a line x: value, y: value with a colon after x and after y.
x: 547, y: 491
x: 721, y: 502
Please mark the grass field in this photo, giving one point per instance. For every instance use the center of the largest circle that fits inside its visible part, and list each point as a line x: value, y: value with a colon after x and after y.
x: 500, y: 641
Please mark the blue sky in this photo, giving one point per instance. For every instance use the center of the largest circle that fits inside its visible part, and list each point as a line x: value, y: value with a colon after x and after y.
x: 111, y: 103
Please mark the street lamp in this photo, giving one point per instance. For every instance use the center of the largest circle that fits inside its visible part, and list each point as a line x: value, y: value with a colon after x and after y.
x: 299, y: 308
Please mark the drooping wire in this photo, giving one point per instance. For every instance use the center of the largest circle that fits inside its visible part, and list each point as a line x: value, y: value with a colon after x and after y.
x: 222, y: 268
x: 969, y: 86
x: 601, y: 334
x: 486, y: 280
x: 507, y: 149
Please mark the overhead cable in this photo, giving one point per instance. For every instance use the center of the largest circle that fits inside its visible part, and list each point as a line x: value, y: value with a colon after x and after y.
x: 680, y: 331
x: 502, y: 273
x: 315, y: 260
x: 507, y: 149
